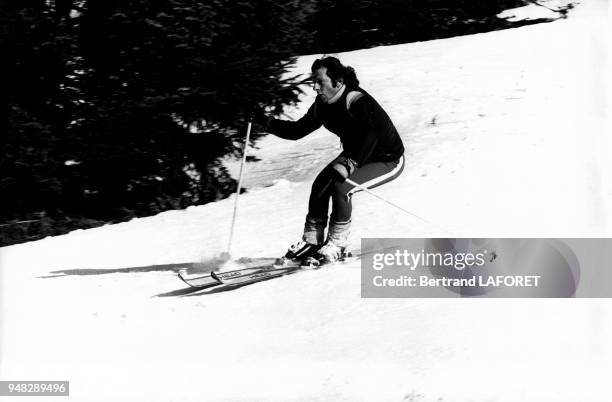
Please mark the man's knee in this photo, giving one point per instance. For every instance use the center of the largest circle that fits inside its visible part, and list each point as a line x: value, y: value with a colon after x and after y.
x: 341, y: 189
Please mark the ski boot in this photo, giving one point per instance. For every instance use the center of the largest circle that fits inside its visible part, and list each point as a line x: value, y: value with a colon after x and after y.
x: 334, y: 249
x: 327, y: 254
x: 312, y: 239
x: 297, y: 253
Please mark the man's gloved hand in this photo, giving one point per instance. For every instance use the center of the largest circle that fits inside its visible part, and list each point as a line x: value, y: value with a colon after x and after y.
x: 259, y: 117
x: 342, y: 168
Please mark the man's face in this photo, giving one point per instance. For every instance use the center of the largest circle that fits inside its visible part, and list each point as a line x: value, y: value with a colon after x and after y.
x: 323, y: 85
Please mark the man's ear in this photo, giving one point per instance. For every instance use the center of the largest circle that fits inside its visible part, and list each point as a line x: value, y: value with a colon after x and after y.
x: 339, y: 83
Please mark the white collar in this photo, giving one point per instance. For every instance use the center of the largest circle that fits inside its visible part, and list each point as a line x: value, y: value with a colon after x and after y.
x: 338, y: 94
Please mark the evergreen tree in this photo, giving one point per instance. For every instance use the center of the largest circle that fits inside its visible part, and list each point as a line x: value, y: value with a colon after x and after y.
x: 118, y: 109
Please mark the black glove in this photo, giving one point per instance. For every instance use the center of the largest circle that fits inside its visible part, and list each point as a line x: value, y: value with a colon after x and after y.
x: 258, y: 116
x: 342, y: 168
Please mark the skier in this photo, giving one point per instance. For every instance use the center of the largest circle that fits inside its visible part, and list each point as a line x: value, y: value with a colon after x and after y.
x: 372, y: 155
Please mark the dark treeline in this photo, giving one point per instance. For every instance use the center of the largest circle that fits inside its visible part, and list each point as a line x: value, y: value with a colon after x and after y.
x: 341, y: 25
x: 113, y: 109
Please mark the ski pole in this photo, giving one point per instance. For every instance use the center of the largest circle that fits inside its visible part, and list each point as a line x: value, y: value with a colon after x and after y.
x: 359, y: 186
x: 244, y: 155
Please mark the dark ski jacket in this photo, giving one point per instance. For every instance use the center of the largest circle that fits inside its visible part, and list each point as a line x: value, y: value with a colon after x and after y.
x: 365, y: 130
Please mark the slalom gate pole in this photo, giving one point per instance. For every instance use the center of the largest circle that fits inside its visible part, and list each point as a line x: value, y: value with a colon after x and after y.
x: 359, y: 186
x: 242, y: 163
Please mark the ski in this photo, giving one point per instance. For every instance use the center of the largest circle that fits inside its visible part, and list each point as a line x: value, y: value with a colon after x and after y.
x: 199, y: 281
x: 224, y: 276
x: 275, y: 268
x: 245, y: 275
x: 263, y: 274
x: 231, y: 277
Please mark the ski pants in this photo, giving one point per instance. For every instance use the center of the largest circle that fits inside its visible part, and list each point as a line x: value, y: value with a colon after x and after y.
x: 325, y: 187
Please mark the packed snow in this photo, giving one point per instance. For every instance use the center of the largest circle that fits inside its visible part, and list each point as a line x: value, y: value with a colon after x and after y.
x: 506, y: 135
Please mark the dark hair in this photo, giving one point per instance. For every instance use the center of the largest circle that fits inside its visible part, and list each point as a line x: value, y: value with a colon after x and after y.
x: 336, y: 71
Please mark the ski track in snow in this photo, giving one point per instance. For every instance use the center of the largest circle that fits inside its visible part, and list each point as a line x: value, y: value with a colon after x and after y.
x: 505, y: 136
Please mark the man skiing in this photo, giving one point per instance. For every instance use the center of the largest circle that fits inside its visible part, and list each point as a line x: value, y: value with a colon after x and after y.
x: 372, y: 155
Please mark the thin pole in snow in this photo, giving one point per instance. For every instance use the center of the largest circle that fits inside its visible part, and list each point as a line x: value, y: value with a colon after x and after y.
x: 244, y: 156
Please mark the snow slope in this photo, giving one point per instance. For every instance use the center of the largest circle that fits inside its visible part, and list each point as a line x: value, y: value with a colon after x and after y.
x: 506, y: 137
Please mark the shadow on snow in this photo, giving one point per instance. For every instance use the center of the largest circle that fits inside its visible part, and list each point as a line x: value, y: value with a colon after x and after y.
x: 102, y: 271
